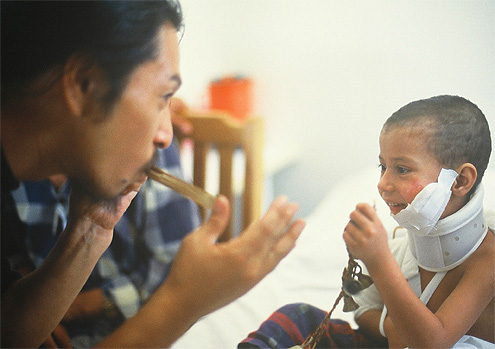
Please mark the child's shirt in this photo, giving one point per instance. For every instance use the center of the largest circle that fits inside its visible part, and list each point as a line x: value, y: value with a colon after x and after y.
x: 369, y: 299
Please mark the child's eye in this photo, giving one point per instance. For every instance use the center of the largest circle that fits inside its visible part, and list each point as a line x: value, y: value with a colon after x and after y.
x: 402, y: 170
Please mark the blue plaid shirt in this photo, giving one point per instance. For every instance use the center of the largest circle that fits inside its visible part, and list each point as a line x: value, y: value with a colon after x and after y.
x: 138, y: 260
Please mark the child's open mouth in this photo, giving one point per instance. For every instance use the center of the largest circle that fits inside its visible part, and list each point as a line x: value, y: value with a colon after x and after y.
x: 395, y: 207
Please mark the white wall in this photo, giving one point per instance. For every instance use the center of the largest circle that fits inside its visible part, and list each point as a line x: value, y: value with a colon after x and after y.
x: 329, y: 72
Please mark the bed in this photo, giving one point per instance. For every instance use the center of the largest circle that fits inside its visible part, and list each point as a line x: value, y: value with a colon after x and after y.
x: 310, y: 273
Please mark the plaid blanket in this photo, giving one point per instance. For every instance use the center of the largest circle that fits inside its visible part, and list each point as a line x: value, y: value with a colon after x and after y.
x: 291, y: 324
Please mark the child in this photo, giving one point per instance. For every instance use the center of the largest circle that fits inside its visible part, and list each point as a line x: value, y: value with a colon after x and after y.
x: 435, y: 287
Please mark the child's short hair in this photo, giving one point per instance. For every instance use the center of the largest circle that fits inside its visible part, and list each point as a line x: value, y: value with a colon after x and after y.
x: 459, y: 130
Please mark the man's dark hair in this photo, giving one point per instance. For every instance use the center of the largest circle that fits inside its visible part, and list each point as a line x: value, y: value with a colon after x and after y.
x: 116, y: 35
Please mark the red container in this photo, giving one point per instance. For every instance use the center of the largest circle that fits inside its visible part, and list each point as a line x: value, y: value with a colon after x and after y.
x: 233, y: 95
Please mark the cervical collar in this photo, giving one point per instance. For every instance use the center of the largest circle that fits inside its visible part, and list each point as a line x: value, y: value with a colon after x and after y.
x: 443, y: 245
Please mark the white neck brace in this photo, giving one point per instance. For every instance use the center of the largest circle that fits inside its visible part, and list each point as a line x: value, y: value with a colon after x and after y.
x: 453, y: 239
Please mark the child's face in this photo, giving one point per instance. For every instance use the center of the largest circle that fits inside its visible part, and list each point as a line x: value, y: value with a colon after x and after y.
x: 407, y: 165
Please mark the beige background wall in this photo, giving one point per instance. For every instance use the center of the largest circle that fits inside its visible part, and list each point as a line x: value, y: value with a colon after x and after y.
x: 329, y: 72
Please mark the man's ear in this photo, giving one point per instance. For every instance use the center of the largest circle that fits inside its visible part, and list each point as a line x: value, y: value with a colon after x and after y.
x: 82, y: 83
x: 465, y: 180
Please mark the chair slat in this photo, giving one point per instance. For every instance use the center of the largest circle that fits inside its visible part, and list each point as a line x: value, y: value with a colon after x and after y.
x: 199, y: 176
x: 218, y: 130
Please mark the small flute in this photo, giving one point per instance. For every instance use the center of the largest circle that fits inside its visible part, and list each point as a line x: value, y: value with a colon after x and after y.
x: 198, y: 195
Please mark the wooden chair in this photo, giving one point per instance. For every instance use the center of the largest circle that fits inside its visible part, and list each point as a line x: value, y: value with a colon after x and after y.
x: 218, y: 130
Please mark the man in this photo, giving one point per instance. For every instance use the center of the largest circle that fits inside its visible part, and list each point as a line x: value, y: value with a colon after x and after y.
x: 86, y: 88
x: 137, y: 261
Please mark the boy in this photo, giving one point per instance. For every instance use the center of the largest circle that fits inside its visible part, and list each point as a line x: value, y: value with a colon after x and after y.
x: 433, y: 154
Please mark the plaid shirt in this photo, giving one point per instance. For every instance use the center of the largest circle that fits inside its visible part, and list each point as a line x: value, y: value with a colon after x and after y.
x: 138, y: 260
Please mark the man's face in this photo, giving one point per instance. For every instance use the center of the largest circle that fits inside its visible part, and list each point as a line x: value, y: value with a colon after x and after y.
x: 407, y: 166
x: 121, y: 148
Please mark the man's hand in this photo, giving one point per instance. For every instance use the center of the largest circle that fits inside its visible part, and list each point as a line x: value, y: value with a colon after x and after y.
x: 209, y: 275
x: 96, y: 219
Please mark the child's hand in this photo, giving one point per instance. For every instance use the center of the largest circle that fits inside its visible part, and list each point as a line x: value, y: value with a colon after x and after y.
x: 364, y: 235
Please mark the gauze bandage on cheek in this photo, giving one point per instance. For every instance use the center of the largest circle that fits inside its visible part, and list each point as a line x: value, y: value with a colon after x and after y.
x: 427, y: 207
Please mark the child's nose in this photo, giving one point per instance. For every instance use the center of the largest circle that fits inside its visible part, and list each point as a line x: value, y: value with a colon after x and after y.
x: 384, y: 184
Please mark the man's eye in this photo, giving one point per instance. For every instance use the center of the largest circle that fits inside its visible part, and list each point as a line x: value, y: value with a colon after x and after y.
x: 382, y: 167
x: 167, y: 97
x: 402, y: 170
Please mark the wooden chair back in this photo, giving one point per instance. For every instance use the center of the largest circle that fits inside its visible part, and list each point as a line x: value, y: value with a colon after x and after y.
x: 217, y: 130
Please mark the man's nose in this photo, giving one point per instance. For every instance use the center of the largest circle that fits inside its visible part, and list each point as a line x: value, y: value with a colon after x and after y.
x: 164, y: 134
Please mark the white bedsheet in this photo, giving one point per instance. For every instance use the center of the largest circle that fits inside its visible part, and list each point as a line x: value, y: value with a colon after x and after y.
x: 310, y: 273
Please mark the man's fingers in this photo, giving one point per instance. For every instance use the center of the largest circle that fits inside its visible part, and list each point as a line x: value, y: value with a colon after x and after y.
x: 134, y: 186
x: 288, y: 241
x: 219, y: 218
x: 278, y: 217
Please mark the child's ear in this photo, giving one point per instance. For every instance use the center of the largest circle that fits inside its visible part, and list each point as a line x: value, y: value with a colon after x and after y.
x: 465, y: 180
